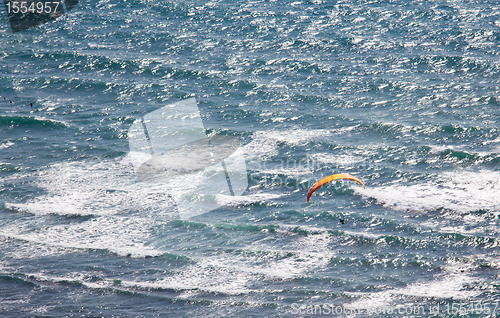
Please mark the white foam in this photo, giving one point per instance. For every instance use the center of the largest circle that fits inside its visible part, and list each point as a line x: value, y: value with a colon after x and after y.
x: 264, y: 144
x: 31, y: 250
x: 123, y: 212
x: 344, y: 160
x: 6, y: 145
x: 447, y: 285
x: 65, y: 124
x: 232, y: 201
x: 365, y: 234
x: 202, y: 276
x: 436, y: 150
x: 135, y: 159
x: 296, y: 136
x: 93, y: 188
x: 229, y: 273
x: 123, y: 236
x: 73, y: 277
x: 235, y: 274
x: 461, y: 191
x: 261, y: 147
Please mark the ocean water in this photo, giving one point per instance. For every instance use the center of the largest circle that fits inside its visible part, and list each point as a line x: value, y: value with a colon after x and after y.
x: 404, y: 95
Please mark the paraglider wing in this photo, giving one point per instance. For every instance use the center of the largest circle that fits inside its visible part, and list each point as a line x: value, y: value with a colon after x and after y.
x: 331, y: 178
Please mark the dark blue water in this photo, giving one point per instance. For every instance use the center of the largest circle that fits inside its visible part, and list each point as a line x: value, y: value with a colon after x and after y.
x: 404, y: 95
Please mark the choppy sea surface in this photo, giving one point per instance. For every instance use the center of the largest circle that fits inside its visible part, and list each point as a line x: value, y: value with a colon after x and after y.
x: 404, y: 95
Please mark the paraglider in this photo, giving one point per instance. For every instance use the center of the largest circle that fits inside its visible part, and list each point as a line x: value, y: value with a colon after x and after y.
x: 321, y: 182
